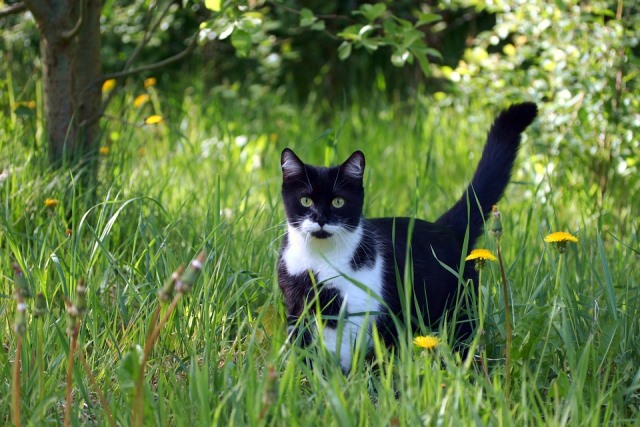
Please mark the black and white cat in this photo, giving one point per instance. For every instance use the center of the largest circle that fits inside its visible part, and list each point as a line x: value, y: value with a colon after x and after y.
x: 334, y: 259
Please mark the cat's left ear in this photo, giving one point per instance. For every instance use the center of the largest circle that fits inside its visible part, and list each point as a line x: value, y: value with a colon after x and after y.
x: 353, y: 167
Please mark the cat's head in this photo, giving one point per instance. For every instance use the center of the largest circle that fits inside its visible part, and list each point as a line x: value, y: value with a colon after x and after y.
x: 322, y: 202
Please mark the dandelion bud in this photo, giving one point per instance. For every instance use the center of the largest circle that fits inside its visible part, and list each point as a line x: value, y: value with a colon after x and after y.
x: 270, y: 387
x: 166, y: 292
x: 71, y: 320
x: 496, y: 222
x: 191, y: 274
x: 21, y: 284
x: 81, y: 298
x: 20, y: 325
x: 40, y: 308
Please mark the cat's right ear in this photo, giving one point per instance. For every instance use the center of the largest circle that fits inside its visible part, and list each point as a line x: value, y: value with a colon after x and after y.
x: 292, y: 166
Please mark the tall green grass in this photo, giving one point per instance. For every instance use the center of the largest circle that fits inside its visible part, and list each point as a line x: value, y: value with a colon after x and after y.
x: 208, y: 178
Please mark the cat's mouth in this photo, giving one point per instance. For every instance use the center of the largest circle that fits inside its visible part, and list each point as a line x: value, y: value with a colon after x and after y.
x: 321, y: 234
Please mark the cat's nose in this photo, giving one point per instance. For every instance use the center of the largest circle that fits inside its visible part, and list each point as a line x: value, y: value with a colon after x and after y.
x: 321, y: 220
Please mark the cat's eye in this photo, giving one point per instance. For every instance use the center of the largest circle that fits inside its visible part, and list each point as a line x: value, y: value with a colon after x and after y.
x: 306, y: 202
x: 338, y: 202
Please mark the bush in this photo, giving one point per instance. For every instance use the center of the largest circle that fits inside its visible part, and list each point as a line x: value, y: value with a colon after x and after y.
x: 577, y: 60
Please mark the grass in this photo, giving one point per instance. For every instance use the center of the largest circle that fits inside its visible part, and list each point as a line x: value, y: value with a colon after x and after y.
x: 208, y: 178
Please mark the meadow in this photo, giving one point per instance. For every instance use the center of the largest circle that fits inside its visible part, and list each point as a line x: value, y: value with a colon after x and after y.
x: 207, y: 177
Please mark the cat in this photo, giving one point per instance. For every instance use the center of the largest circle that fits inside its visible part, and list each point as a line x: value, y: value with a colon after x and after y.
x: 335, y: 261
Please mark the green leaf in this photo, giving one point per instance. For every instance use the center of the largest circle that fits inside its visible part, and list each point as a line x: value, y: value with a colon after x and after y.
x: 609, y: 290
x: 344, y: 50
x: 433, y: 52
x: 400, y: 57
x: 423, y: 61
x: 129, y: 367
x: 241, y: 41
x: 352, y: 32
x: 214, y: 5
x: 409, y: 36
x: 370, y: 44
x: 371, y: 11
x: 307, y: 18
x: 427, y: 18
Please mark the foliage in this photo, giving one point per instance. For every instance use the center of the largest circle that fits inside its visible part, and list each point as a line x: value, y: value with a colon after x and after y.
x: 581, y: 63
x: 125, y: 24
x: 278, y: 36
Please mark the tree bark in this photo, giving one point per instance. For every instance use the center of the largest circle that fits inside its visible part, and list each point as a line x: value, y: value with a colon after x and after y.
x: 71, y: 67
x: 88, y: 72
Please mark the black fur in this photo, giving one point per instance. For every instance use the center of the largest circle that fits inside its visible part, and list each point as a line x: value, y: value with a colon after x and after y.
x: 365, y: 256
x: 435, y: 289
x: 493, y: 172
x: 322, y: 185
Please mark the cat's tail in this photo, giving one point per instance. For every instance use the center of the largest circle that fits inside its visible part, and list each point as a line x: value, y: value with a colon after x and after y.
x: 493, y: 172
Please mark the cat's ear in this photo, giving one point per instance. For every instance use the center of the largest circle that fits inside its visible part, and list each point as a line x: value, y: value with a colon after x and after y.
x: 353, y: 167
x: 292, y: 166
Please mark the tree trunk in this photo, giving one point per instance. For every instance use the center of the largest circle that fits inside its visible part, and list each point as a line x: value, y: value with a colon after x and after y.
x: 71, y: 74
x: 88, y: 71
x: 57, y: 63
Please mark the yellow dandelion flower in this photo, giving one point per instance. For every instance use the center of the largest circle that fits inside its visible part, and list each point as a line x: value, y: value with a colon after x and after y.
x: 480, y: 256
x: 153, y: 120
x: 151, y: 81
x: 140, y: 100
x: 560, y: 237
x: 51, y: 203
x: 483, y: 254
x: 104, y: 150
x: 429, y: 342
x: 108, y: 85
x: 27, y: 104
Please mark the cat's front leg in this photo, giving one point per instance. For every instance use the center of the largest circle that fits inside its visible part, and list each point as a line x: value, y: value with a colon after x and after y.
x: 340, y: 341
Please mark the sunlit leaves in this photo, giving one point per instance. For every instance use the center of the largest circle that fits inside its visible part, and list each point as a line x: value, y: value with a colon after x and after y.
x: 213, y: 5
x: 241, y: 41
x: 308, y: 19
x: 344, y: 50
x: 371, y: 11
x: 384, y: 29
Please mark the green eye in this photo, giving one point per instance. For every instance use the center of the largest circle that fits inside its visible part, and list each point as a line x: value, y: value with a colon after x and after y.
x: 338, y: 202
x: 306, y: 202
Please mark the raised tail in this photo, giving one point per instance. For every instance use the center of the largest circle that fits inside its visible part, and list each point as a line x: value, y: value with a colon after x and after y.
x: 493, y: 172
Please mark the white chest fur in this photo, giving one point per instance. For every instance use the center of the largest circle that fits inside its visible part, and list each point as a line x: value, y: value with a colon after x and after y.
x: 330, y: 259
